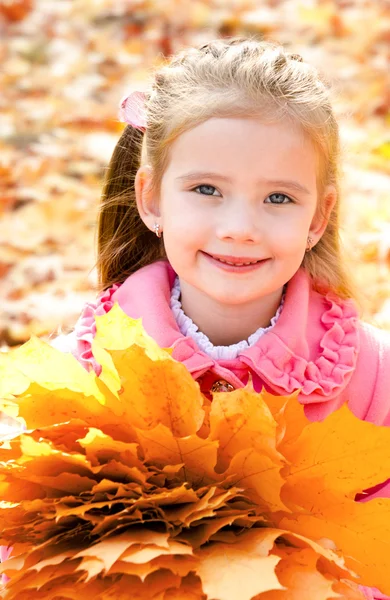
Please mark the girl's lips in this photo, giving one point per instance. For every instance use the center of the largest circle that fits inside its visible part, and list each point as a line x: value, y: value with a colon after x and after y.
x: 234, y: 268
x: 237, y: 260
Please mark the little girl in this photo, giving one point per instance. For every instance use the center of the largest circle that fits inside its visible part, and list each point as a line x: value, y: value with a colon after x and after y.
x: 219, y: 227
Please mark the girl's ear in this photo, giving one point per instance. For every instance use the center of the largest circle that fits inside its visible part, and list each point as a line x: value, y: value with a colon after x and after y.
x: 321, y: 218
x: 147, y: 202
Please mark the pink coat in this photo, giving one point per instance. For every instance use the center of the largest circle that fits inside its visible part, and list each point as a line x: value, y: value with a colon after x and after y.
x: 318, y: 344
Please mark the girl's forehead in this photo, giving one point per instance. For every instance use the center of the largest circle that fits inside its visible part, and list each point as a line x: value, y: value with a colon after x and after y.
x: 243, y: 134
x: 229, y: 145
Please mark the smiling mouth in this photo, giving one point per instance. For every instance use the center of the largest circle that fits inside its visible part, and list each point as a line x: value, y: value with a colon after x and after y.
x: 238, y: 261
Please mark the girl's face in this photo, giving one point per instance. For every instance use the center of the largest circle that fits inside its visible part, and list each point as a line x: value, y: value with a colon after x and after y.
x: 237, y: 190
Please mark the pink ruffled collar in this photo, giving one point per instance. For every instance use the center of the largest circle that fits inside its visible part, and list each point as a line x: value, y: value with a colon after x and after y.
x: 284, y: 357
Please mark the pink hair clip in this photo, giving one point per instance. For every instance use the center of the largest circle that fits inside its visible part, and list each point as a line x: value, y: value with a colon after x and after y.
x: 132, y: 110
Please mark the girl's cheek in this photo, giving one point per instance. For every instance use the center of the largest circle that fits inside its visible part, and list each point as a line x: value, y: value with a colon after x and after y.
x: 187, y: 223
x: 288, y: 239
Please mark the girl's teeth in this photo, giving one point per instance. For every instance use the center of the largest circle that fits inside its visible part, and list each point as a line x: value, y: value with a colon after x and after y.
x: 237, y: 264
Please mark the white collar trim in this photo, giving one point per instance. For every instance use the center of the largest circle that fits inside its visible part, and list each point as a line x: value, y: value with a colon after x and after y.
x: 188, y: 328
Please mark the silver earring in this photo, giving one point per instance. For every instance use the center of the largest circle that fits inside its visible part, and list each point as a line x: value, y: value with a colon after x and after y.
x: 310, y: 242
x: 157, y: 229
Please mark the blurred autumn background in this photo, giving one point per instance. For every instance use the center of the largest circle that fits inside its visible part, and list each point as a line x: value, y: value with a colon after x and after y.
x: 65, y: 65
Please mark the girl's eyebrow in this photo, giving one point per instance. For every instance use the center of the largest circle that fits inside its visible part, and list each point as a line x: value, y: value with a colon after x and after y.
x: 294, y: 185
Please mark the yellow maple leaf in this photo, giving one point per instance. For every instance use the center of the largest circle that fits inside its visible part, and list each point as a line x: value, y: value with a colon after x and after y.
x: 330, y: 462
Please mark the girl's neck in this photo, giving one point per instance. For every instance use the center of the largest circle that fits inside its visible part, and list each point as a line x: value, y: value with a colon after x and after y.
x: 226, y: 324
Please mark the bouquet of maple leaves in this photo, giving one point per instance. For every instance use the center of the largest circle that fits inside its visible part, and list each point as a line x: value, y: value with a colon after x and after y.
x: 133, y: 485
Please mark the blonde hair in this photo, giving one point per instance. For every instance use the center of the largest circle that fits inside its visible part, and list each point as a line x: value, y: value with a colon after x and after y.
x: 229, y: 77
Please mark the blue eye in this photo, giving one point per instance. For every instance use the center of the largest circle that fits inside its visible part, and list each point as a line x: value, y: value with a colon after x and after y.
x: 203, y: 185
x: 282, y: 196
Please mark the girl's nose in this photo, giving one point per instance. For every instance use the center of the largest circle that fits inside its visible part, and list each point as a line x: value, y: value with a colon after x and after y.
x: 240, y: 225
